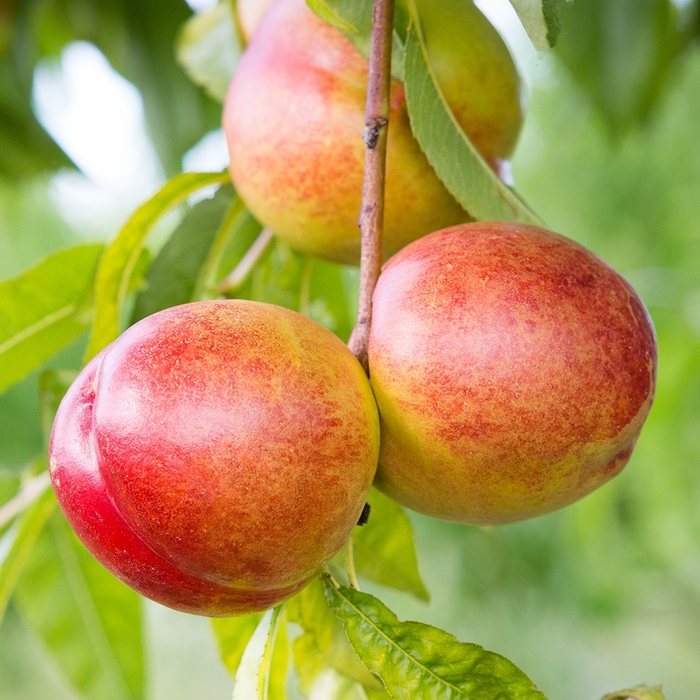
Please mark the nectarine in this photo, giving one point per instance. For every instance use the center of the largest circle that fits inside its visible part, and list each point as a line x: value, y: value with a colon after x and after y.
x: 513, y: 370
x: 217, y: 454
x: 294, y: 118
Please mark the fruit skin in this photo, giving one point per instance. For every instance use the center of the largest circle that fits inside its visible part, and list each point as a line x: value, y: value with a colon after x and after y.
x: 250, y: 12
x: 513, y: 370
x: 217, y: 454
x: 294, y: 118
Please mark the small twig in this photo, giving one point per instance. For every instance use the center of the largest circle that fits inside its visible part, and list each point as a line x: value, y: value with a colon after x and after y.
x: 29, y: 493
x: 350, y: 565
x: 240, y: 273
x: 375, y: 136
x: 305, y: 287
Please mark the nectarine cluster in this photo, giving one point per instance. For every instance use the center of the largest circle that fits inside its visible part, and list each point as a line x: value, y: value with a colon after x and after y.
x: 219, y: 453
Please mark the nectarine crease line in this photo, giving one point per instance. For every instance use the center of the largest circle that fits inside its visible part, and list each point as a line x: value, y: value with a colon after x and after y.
x: 375, y: 136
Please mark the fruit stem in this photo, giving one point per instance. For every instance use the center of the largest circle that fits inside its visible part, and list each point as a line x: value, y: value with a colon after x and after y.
x: 375, y: 136
x: 350, y: 565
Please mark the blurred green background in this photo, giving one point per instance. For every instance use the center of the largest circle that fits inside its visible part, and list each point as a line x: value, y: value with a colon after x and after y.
x: 600, y: 596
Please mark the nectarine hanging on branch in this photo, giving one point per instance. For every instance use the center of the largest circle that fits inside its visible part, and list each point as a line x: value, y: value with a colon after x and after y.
x: 294, y: 118
x: 513, y: 370
x: 217, y: 454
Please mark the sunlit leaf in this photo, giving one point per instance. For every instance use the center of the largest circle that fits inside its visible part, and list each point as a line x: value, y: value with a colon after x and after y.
x: 43, y: 309
x: 272, y: 674
x: 640, y: 693
x: 17, y: 543
x: 121, y: 256
x: 173, y: 274
x: 456, y: 161
x: 541, y: 21
x: 208, y: 48
x: 88, y: 620
x: 385, y: 550
x: 259, y: 672
x: 415, y: 660
x: 232, y: 635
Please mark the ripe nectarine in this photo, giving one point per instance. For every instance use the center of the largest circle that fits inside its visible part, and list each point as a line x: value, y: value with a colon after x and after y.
x: 217, y: 454
x: 513, y: 370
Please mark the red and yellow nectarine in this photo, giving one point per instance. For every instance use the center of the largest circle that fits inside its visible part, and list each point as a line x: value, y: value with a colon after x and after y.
x: 513, y: 370
x: 217, y: 454
x: 295, y: 113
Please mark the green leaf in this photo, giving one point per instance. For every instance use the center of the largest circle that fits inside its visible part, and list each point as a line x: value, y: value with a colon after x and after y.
x: 173, y: 274
x: 43, y: 309
x: 232, y: 635
x: 261, y: 672
x: 385, y: 550
x: 456, y: 161
x: 89, y: 621
x: 17, y: 543
x: 415, y: 660
x: 121, y: 256
x: 541, y: 21
x: 640, y: 693
x: 323, y: 643
x: 208, y: 48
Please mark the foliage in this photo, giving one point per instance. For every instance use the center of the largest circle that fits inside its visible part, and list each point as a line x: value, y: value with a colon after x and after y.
x: 624, y: 60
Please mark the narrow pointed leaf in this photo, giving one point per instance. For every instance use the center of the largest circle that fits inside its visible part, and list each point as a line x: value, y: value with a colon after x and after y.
x: 456, y: 161
x: 232, y: 635
x: 89, y: 621
x: 640, y: 693
x: 44, y: 309
x: 541, y: 21
x: 208, y: 48
x: 272, y: 673
x: 385, y: 550
x: 416, y: 661
x: 121, y: 256
x: 17, y: 543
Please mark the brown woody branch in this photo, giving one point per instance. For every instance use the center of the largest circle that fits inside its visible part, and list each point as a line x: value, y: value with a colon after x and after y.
x: 375, y: 136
